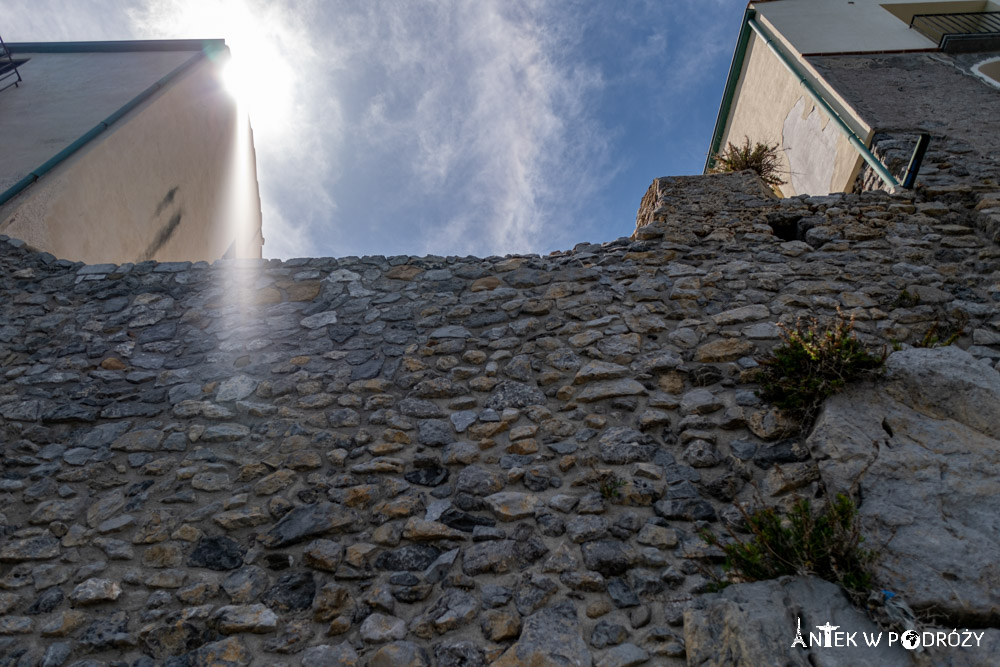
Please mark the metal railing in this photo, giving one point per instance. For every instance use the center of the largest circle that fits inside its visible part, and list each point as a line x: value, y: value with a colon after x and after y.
x: 9, y: 76
x: 968, y: 31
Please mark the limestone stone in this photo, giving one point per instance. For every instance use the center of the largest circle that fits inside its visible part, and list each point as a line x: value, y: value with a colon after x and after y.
x: 770, y: 424
x: 510, y: 394
x: 657, y: 536
x: 608, y: 557
x: 230, y: 652
x: 245, y: 584
x: 236, y: 388
x: 400, y: 654
x: 319, y: 320
x: 623, y: 655
x: 42, y: 547
x: 306, y: 521
x: 935, y: 424
x: 429, y: 531
x: 599, y: 370
x: 323, y: 555
x: 499, y: 625
x: 700, y: 402
x: 610, y: 389
x: 725, y: 349
x: 741, y: 315
x: 620, y: 444
x: 379, y: 628
x: 549, y: 637
x: 756, y: 623
x: 16, y: 625
x: 234, y: 619
x: 512, y: 505
x: 496, y: 557
x: 93, y: 591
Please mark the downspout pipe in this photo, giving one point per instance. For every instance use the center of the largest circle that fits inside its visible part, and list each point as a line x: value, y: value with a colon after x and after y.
x: 856, y: 142
x: 916, y: 160
x: 93, y: 132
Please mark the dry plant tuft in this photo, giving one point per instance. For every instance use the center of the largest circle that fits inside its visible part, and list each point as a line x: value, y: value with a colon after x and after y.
x: 759, y: 157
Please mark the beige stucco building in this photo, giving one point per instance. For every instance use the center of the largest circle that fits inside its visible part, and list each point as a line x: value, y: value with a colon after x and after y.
x: 127, y: 151
x: 780, y: 91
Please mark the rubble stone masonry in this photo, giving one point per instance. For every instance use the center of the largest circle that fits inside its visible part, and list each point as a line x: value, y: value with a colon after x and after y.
x: 433, y: 460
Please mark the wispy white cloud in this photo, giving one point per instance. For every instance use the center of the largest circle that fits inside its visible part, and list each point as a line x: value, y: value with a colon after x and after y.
x: 475, y: 98
x: 473, y: 105
x: 445, y: 127
x: 65, y: 20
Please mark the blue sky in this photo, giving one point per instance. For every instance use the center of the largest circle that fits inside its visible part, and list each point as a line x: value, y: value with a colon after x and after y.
x: 448, y: 127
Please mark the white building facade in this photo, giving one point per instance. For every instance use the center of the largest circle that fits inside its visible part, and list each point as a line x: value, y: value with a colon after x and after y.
x: 125, y: 152
x: 825, y: 79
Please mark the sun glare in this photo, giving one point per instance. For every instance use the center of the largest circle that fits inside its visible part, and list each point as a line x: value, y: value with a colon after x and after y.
x: 258, y: 75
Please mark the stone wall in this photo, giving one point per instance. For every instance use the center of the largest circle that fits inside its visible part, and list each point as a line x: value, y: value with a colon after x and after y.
x: 431, y: 460
x: 902, y: 95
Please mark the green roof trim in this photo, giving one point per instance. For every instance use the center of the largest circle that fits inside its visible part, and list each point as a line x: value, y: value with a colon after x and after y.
x: 735, y: 69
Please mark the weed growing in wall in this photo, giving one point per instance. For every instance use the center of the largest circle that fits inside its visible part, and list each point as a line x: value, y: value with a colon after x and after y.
x: 811, y: 363
x: 826, y: 544
x: 759, y: 157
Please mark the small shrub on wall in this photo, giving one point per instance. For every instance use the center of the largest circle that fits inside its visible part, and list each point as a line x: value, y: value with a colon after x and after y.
x: 811, y: 363
x: 758, y: 157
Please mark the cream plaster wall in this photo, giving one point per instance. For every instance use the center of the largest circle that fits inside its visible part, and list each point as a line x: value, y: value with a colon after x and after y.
x: 844, y: 26
x: 63, y: 95
x: 771, y: 106
x: 153, y: 186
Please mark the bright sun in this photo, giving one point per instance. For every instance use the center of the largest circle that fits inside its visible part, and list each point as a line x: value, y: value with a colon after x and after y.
x: 258, y: 74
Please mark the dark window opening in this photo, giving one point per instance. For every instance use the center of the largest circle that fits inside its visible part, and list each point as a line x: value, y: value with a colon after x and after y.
x: 786, y: 226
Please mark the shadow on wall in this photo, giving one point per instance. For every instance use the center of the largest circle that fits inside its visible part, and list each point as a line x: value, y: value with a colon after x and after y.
x: 166, y: 230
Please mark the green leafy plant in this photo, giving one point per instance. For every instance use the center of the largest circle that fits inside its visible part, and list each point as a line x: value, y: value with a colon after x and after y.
x: 905, y: 300
x: 602, y: 480
x: 609, y: 487
x: 812, y: 363
x: 937, y: 335
x: 826, y: 544
x: 932, y: 337
x: 759, y: 157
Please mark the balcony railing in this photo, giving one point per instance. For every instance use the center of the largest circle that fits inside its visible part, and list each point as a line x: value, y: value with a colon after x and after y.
x: 9, y: 76
x: 964, y: 32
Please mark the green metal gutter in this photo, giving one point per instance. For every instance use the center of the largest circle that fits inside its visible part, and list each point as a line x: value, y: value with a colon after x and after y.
x: 209, y: 50
x: 730, y: 93
x: 750, y: 23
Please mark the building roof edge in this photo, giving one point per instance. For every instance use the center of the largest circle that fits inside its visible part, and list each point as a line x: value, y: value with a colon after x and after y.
x: 735, y: 69
x: 118, y: 46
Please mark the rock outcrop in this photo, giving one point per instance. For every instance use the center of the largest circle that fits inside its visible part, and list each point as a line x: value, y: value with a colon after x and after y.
x: 756, y: 624
x: 921, y: 450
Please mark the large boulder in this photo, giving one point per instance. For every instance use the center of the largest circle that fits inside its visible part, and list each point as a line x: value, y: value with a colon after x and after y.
x: 921, y: 450
x: 756, y: 624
